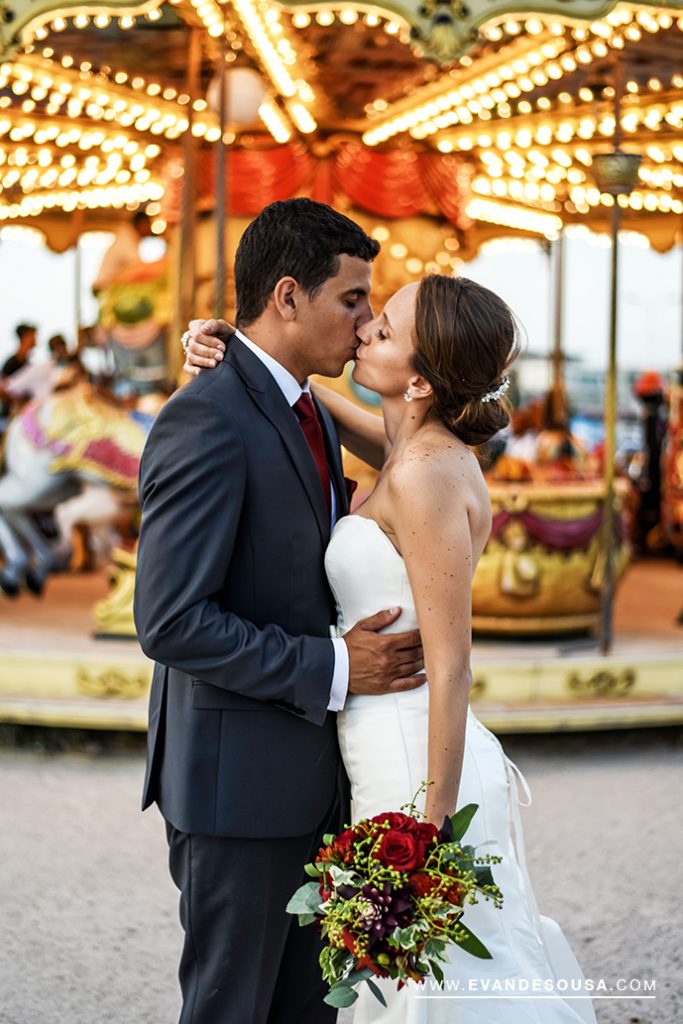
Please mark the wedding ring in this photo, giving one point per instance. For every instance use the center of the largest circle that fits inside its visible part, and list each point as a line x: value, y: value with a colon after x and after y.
x: 185, y: 341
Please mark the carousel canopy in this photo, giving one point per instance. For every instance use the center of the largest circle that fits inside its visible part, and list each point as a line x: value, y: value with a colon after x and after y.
x: 345, y: 102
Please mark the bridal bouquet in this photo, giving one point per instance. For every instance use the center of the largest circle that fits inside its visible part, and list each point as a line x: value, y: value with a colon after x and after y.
x: 389, y: 896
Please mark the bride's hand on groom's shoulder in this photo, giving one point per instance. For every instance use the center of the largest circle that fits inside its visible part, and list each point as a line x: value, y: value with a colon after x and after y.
x: 383, y: 662
x: 205, y: 345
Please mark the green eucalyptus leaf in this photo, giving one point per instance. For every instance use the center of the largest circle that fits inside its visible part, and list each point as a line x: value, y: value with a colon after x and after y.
x: 376, y: 992
x: 460, y: 821
x: 436, y: 971
x: 306, y: 900
x: 340, y: 996
x: 471, y: 944
x: 483, y: 874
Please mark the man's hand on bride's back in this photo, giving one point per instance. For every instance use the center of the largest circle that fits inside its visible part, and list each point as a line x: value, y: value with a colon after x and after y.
x: 206, y: 344
x: 383, y: 662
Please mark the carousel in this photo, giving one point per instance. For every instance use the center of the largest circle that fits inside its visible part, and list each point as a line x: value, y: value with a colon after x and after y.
x: 438, y: 127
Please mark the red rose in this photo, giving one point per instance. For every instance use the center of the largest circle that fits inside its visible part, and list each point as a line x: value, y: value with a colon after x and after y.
x: 426, y: 832
x: 395, y: 820
x: 400, y: 850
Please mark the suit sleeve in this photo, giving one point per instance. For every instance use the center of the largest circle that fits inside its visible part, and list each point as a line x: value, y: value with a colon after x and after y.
x: 192, y: 485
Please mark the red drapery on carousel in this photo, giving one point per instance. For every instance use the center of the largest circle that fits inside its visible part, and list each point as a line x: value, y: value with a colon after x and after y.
x: 391, y: 185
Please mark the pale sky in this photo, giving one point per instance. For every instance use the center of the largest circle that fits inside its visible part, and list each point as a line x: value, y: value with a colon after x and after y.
x: 37, y: 286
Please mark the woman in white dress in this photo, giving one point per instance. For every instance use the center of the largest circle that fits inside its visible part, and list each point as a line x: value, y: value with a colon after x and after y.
x: 437, y: 356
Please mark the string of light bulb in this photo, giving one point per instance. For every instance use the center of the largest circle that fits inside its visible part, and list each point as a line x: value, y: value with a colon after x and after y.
x: 79, y: 93
x: 116, y: 197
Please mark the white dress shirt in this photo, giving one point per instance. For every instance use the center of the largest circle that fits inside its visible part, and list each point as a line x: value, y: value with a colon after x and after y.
x: 292, y: 390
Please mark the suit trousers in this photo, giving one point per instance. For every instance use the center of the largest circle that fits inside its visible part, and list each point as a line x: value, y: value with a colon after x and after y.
x: 244, y: 959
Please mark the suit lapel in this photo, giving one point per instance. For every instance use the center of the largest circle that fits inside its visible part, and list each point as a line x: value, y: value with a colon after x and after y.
x: 273, y: 404
x: 333, y: 458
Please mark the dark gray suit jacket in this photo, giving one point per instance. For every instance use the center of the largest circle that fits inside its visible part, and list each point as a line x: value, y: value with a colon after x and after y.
x: 232, y: 603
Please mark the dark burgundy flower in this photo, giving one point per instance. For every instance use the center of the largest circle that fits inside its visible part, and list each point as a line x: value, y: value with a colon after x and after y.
x: 400, y: 850
x: 454, y: 895
x: 395, y: 820
x: 342, y: 846
x: 427, y: 833
x: 421, y: 884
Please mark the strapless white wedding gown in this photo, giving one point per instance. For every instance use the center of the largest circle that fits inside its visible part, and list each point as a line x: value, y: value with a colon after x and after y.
x: 383, y: 742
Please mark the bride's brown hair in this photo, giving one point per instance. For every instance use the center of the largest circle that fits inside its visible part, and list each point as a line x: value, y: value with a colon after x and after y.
x: 465, y: 339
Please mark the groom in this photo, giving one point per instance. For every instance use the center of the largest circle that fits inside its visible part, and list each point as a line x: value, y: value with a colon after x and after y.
x: 240, y: 483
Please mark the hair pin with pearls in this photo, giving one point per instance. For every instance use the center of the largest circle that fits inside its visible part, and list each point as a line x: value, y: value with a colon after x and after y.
x: 493, y: 396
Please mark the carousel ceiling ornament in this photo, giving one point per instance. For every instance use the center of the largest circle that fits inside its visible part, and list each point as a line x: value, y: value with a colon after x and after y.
x: 443, y: 30
x: 463, y: 97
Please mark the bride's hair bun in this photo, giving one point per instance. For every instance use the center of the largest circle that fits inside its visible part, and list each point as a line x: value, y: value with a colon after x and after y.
x: 465, y: 339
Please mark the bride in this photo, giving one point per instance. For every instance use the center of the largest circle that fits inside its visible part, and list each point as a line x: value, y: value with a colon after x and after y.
x: 437, y: 356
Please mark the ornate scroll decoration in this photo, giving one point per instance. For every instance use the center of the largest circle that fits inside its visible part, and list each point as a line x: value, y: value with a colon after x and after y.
x: 603, y: 683
x: 112, y: 683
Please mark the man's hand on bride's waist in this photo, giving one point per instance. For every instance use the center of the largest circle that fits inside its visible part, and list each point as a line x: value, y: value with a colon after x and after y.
x: 204, y: 344
x: 383, y: 662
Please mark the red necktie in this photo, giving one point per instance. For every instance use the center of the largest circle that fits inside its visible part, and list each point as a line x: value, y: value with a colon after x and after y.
x: 313, y: 432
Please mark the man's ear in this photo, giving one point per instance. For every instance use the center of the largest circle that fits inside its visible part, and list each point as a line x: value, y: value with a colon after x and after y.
x: 285, y: 297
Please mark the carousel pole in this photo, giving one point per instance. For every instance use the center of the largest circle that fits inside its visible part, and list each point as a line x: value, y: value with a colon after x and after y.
x: 611, y: 399
x: 185, y: 256
x: 611, y: 395
x: 78, y: 276
x: 221, y: 211
x: 558, y: 312
x: 79, y: 224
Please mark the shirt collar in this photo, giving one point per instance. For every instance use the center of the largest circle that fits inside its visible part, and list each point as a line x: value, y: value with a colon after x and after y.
x: 288, y: 384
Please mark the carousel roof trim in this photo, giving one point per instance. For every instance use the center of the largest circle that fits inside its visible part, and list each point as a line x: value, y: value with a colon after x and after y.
x: 522, y: 110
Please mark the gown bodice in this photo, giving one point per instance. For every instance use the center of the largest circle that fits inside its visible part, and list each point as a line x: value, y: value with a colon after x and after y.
x: 367, y: 575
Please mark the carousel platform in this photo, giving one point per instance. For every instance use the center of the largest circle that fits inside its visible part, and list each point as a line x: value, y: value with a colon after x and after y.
x: 53, y: 671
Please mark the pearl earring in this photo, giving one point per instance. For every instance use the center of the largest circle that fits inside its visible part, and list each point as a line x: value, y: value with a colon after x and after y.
x: 408, y: 397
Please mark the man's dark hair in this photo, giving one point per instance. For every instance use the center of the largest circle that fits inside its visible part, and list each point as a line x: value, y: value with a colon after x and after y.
x: 296, y: 238
x: 24, y: 329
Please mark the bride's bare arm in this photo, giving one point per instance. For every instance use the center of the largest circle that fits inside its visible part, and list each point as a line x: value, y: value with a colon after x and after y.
x: 430, y: 519
x: 361, y: 432
x: 206, y: 344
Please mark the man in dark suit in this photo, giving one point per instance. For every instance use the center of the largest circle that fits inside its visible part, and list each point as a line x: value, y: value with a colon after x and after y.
x: 240, y: 482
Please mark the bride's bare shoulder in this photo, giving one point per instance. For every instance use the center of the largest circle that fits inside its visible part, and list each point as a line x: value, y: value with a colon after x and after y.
x: 433, y: 460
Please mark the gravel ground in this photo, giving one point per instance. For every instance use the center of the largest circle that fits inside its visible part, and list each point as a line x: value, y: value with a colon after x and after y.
x: 88, y: 923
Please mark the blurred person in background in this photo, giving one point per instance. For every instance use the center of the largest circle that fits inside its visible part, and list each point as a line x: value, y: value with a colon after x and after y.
x: 646, y: 471
x: 39, y: 379
x: 26, y: 333
x: 124, y: 251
